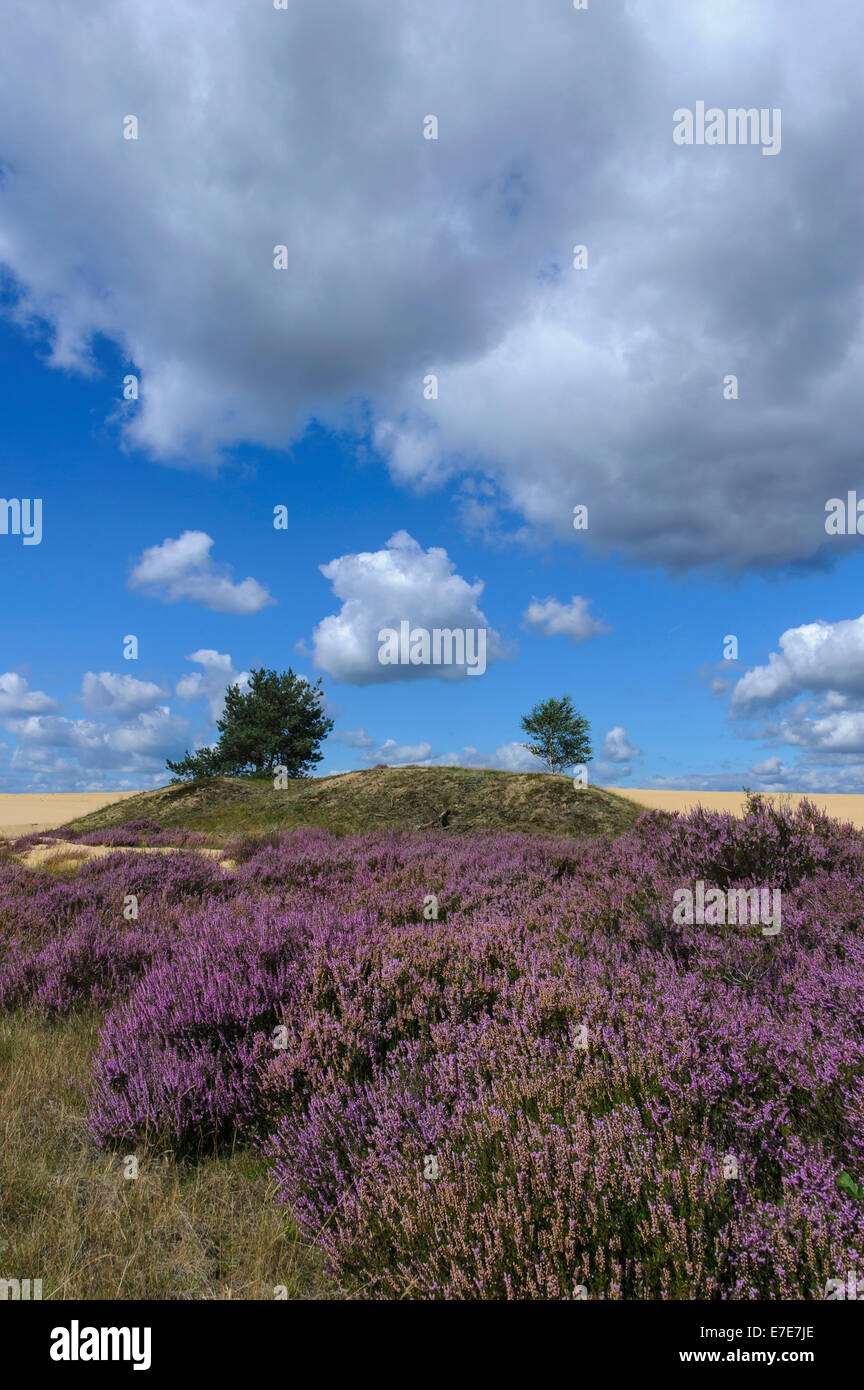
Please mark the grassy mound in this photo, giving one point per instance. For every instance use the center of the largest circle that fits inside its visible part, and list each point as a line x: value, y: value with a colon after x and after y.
x: 404, y: 798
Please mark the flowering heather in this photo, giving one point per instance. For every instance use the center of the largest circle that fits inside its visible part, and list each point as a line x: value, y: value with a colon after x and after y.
x: 127, y: 836
x: 178, y: 839
x: 614, y: 1102
x: 66, y: 942
x: 130, y: 835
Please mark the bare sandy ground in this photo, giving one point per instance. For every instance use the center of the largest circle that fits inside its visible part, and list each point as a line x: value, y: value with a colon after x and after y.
x: 21, y: 812
x: 65, y: 855
x: 843, y: 807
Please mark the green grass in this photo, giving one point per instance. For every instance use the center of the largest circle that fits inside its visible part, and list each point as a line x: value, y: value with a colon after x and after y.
x: 407, y: 798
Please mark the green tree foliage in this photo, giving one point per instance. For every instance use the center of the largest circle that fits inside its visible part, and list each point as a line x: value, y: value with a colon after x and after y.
x: 559, y: 735
x: 277, y: 722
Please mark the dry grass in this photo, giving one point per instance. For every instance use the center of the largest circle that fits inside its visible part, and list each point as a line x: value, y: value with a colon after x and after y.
x: 70, y: 1217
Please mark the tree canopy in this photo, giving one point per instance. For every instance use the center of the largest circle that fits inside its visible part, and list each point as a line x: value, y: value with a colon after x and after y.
x: 278, y: 721
x: 560, y: 736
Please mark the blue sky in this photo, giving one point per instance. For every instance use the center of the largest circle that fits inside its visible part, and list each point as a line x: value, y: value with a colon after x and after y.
x: 557, y: 386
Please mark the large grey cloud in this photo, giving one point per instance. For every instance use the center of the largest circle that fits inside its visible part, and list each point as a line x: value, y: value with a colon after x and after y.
x: 303, y: 127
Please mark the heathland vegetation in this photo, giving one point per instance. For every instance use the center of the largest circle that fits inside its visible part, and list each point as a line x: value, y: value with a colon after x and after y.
x: 437, y: 1063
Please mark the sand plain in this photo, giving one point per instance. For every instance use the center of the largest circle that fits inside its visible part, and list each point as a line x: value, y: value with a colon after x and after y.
x: 22, y: 812
x: 842, y: 806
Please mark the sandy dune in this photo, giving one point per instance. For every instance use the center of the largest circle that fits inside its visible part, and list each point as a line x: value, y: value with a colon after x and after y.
x: 21, y: 812
x: 843, y: 807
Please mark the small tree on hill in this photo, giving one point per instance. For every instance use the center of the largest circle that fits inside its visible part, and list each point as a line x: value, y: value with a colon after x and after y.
x: 560, y: 736
x: 277, y: 722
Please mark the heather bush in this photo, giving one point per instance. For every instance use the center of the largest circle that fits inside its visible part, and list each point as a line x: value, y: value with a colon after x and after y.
x: 180, y: 1061
x: 612, y: 1101
x: 182, y: 839
x: 66, y: 943
x: 130, y: 835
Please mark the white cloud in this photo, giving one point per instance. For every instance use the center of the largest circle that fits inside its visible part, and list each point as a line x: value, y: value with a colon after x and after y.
x: 617, y: 747
x: 556, y: 619
x: 509, y: 757
x: 354, y: 738
x: 818, y: 656
x: 768, y: 767
x: 835, y: 733
x: 140, y: 744
x: 819, y: 675
x: 17, y: 698
x: 400, y: 754
x: 182, y: 569
x: 211, y: 685
x: 121, y: 696
x: 382, y: 588
x: 610, y: 774
x: 513, y: 757
x: 56, y: 752
x: 600, y: 386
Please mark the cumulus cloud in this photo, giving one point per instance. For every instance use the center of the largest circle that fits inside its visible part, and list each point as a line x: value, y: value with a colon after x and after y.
x: 509, y: 757
x: 720, y: 685
x: 768, y: 767
x: 92, y: 753
x: 805, y: 727
x: 383, y: 588
x: 17, y: 698
x: 769, y: 775
x: 137, y: 745
x: 183, y: 569
x: 354, y: 738
x: 121, y: 696
x: 617, y: 747
x: 556, y: 619
x: 818, y: 656
x: 818, y: 675
x: 400, y: 754
x: 211, y: 683
x: 558, y: 386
